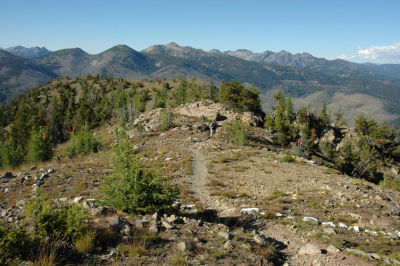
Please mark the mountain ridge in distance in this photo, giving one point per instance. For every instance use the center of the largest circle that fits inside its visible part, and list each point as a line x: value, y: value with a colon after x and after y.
x: 28, y: 53
x: 302, y: 76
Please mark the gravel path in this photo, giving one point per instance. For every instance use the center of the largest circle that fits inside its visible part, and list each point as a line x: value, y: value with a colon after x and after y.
x: 199, y: 181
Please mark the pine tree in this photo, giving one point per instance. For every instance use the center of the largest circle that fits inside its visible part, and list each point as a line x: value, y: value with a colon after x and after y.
x: 269, y: 123
x: 40, y: 146
x: 324, y: 117
x: 133, y: 189
x: 10, y: 153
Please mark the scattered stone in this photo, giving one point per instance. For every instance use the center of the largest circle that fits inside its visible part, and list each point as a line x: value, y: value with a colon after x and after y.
x: 32, y: 168
x: 156, y: 216
x: 43, y: 176
x: 310, y: 220
x: 199, y: 240
x: 395, y: 170
x: 342, y: 225
x: 356, y: 228
x: 167, y: 225
x: 115, y: 222
x: 228, y: 245
x: 356, y: 251
x: 332, y: 249
x: 396, y: 210
x: 7, y: 175
x: 126, y: 230
x: 86, y: 205
x: 185, y: 245
x: 331, y: 224
x: 168, y: 159
x: 21, y: 203
x: 98, y: 211
x: 225, y: 235
x: 50, y: 171
x: 260, y: 239
x: 250, y: 210
x: 309, y: 249
x: 329, y: 231
x: 371, y: 232
x: 77, y: 199
x: 153, y: 228
x: 278, y: 214
x: 373, y: 256
x: 176, y: 204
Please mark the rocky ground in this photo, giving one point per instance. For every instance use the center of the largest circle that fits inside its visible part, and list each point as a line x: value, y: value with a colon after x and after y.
x: 239, y: 205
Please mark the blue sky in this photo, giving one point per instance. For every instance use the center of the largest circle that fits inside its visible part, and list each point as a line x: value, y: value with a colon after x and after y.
x: 356, y: 30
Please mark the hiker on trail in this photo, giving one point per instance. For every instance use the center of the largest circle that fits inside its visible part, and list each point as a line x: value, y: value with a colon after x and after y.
x: 299, y: 143
x: 213, y: 128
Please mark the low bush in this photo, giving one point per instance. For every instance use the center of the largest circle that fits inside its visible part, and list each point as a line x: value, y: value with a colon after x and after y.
x: 14, y: 244
x: 390, y: 183
x: 287, y: 159
x: 67, y: 222
x: 237, y: 133
x: 82, y: 142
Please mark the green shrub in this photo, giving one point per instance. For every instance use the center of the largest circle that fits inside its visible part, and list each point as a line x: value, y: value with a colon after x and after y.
x: 40, y: 146
x: 133, y: 189
x: 75, y: 220
x: 390, y: 183
x: 237, y: 132
x: 166, y: 120
x: 82, y: 142
x: 287, y: 159
x: 10, y: 154
x: 14, y: 243
x: 68, y: 221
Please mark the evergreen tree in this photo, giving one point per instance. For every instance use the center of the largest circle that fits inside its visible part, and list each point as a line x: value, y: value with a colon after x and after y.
x: 269, y: 122
x: 180, y: 95
x: 82, y: 142
x: 10, y: 153
x: 133, y: 189
x: 324, y: 117
x: 212, y: 91
x: 40, y: 146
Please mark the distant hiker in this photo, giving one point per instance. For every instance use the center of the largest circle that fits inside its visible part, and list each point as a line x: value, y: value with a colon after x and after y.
x: 213, y: 128
x: 203, y: 118
x: 59, y: 158
x: 299, y: 143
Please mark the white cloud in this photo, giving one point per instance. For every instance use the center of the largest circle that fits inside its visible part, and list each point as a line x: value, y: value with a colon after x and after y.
x: 381, y: 52
x: 377, y: 54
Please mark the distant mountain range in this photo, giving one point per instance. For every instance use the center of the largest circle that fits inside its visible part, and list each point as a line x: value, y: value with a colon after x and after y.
x: 28, y: 53
x: 368, y: 88
x: 306, y: 61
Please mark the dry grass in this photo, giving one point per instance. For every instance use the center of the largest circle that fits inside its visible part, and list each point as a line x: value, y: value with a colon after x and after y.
x: 85, y: 243
x: 141, y: 241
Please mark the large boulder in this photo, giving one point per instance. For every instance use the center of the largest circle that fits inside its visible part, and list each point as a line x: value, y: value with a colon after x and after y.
x: 250, y: 119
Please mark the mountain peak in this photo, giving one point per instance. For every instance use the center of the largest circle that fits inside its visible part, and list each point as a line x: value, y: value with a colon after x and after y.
x: 28, y: 53
x: 173, y: 44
